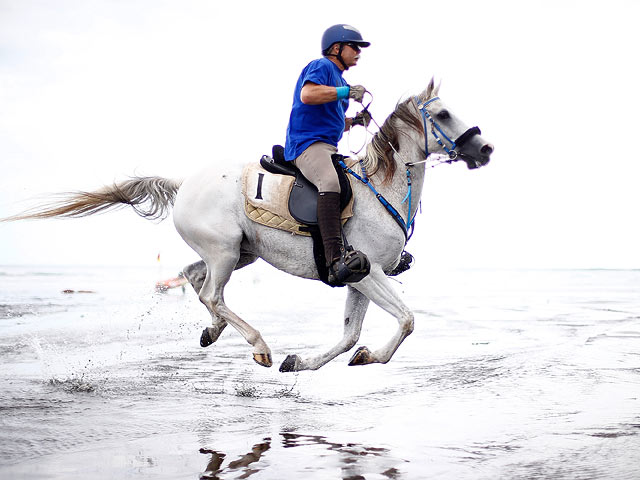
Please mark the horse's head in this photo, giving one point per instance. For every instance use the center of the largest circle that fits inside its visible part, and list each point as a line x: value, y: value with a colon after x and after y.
x: 445, y: 133
x: 430, y: 126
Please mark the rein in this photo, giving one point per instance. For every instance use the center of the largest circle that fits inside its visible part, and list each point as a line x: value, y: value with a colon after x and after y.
x: 437, y: 132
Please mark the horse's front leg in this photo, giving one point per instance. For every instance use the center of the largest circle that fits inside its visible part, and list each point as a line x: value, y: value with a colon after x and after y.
x: 355, y: 310
x: 377, y: 287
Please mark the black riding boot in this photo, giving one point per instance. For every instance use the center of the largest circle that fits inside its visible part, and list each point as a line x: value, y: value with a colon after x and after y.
x: 330, y: 226
x: 345, y: 264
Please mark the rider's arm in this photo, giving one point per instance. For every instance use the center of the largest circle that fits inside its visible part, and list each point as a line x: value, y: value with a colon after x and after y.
x: 314, y: 94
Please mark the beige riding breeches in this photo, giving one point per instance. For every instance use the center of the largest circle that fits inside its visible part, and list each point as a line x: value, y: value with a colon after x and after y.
x: 316, y: 165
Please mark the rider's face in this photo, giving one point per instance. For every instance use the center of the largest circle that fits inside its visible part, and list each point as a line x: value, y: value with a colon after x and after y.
x: 350, y: 54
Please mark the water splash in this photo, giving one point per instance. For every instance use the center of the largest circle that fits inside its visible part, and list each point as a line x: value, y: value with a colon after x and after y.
x: 58, y: 373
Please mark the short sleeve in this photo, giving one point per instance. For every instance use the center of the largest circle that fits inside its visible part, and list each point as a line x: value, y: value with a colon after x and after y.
x: 317, y: 73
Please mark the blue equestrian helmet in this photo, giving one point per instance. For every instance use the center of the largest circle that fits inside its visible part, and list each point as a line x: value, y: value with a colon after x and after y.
x: 342, y: 33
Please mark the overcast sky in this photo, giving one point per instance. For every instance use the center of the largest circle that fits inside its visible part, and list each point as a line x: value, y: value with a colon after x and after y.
x: 93, y: 91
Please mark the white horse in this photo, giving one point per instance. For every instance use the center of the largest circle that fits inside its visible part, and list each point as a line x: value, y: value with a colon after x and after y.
x: 208, y: 212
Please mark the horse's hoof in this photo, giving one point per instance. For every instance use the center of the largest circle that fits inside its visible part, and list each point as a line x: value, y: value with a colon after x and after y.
x: 263, y: 359
x: 205, y: 338
x: 290, y: 364
x: 361, y: 357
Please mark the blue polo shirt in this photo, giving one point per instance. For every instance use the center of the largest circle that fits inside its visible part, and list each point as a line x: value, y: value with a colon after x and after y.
x: 316, y: 123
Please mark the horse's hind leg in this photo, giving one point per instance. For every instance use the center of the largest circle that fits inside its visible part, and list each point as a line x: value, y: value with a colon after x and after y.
x: 355, y: 310
x: 377, y: 288
x: 196, y: 273
x: 211, y: 294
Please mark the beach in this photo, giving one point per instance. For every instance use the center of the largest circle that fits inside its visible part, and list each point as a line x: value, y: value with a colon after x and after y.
x: 508, y: 374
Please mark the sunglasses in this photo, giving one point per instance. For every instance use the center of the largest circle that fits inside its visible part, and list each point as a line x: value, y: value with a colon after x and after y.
x: 355, y: 46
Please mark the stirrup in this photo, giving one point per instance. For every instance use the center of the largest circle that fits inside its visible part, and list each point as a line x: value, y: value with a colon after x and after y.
x: 405, y: 263
x: 351, y: 267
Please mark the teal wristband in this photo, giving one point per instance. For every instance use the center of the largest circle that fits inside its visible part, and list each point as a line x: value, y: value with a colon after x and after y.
x: 343, y: 92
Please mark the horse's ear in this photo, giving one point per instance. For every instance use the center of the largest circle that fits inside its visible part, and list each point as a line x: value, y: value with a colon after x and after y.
x: 436, y: 90
x: 428, y: 93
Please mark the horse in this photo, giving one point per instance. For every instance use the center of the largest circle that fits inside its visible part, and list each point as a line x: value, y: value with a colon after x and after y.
x: 208, y: 213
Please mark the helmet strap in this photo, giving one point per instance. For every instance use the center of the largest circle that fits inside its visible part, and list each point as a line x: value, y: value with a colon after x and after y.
x: 339, y: 56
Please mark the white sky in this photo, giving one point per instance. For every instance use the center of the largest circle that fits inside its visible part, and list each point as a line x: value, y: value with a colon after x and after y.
x: 92, y: 91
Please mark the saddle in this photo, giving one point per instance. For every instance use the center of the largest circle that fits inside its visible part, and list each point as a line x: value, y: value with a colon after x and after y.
x: 303, y: 199
x: 267, y: 200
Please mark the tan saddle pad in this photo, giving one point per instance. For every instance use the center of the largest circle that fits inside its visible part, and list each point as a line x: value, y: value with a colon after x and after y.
x: 266, y: 199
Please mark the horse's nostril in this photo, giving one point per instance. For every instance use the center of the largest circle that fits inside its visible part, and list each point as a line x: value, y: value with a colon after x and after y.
x: 487, y: 149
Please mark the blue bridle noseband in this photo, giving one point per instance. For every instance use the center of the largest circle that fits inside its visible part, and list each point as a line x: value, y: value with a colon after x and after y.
x: 437, y: 132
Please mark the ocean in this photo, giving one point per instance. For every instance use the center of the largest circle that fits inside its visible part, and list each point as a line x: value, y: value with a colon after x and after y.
x: 509, y: 374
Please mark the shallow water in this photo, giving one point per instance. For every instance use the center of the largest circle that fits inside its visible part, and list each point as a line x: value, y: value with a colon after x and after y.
x: 508, y: 375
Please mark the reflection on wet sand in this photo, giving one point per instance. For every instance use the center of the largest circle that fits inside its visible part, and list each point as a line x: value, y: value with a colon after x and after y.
x: 353, y: 459
x: 214, y: 469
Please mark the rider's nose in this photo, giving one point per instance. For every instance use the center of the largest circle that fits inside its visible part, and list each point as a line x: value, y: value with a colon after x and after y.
x: 487, y: 149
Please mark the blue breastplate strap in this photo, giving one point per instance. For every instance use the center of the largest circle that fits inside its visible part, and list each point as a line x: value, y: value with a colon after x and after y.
x: 392, y: 211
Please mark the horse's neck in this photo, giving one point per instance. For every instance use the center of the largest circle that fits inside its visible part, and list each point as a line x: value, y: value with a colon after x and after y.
x: 408, y: 153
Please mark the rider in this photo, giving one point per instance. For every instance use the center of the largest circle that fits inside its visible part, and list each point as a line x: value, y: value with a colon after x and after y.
x: 316, y: 124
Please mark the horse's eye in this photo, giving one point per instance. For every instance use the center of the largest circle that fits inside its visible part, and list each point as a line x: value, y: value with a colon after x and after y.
x: 443, y: 115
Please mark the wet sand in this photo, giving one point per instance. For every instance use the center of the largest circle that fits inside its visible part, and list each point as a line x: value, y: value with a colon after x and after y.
x: 507, y: 375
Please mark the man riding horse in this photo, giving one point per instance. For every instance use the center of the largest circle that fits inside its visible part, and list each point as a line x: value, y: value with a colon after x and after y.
x: 316, y: 125
x: 226, y: 239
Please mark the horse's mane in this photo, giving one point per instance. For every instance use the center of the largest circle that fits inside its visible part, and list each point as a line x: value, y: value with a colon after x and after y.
x: 379, y: 154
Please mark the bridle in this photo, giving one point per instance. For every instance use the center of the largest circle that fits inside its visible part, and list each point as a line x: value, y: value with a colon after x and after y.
x: 455, y: 145
x: 453, y: 151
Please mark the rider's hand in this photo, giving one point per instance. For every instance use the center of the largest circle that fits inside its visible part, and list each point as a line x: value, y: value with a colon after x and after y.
x: 362, y: 118
x: 356, y: 92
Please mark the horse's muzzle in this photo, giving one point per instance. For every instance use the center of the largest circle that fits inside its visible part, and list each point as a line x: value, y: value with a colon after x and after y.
x: 480, y: 159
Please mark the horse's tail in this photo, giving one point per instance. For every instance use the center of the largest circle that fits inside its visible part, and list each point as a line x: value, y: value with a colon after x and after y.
x: 150, y: 197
